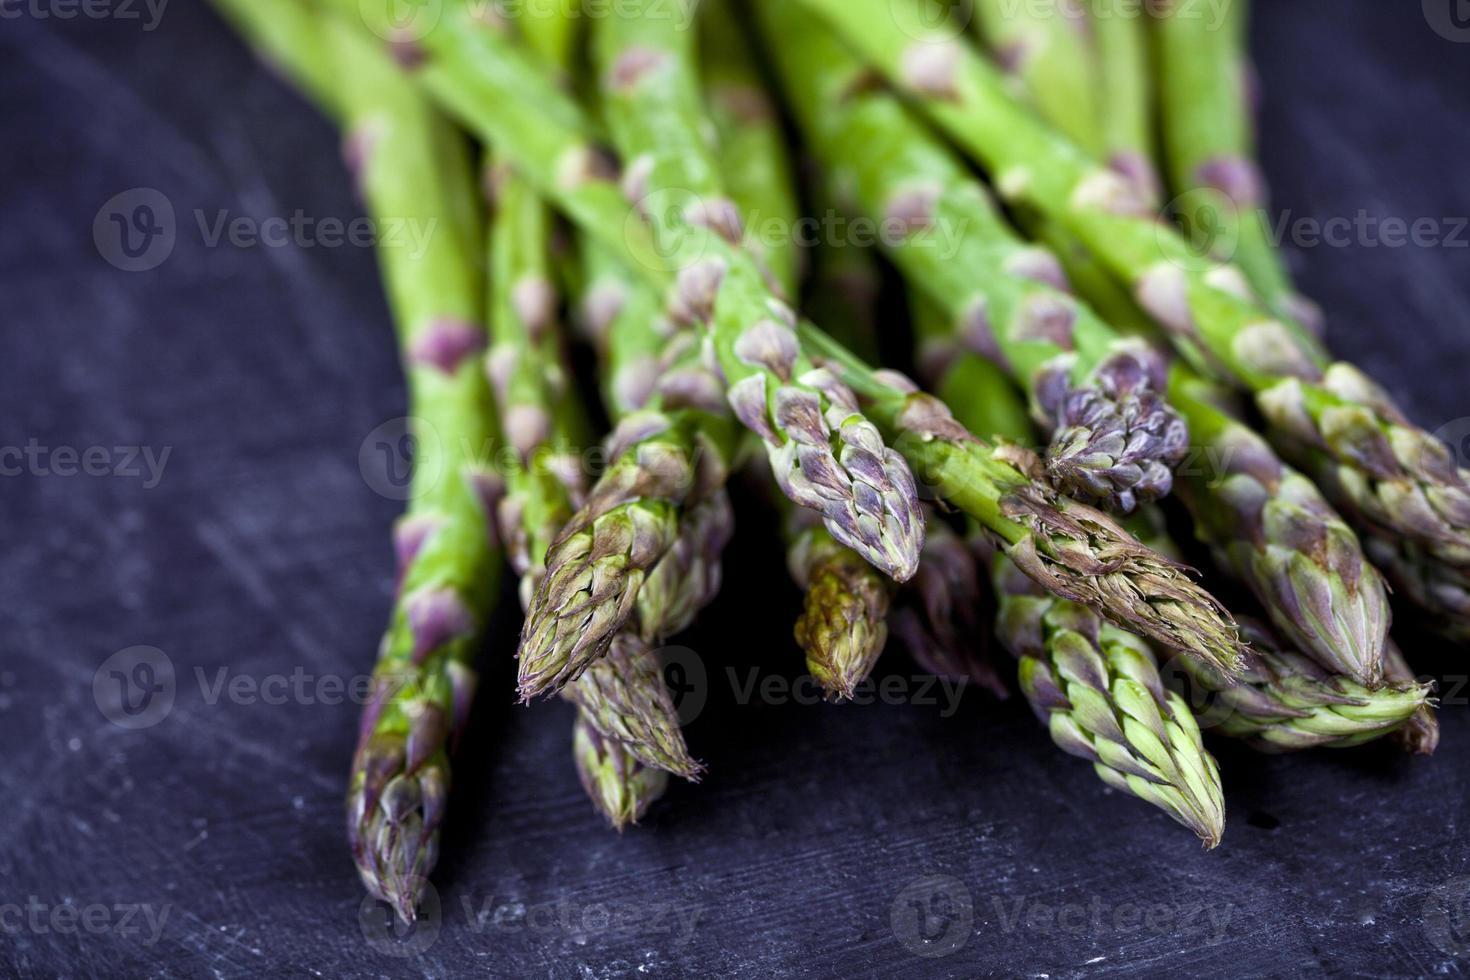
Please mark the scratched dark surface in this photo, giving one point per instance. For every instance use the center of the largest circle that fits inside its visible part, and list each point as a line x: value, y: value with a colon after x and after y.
x: 262, y: 551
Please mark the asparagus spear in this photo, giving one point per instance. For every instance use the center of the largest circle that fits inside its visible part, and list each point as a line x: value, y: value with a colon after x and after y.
x: 1098, y: 689
x: 1270, y: 527
x: 622, y: 696
x: 1377, y: 466
x: 843, y: 624
x: 478, y: 73
x: 621, y: 787
x: 824, y: 454
x: 842, y: 628
x: 1114, y: 439
x: 1208, y: 135
x: 407, y: 163
x: 1283, y: 701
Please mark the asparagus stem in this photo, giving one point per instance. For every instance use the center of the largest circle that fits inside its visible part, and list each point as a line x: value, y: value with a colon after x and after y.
x: 1072, y: 550
x: 754, y: 164
x: 1126, y: 92
x: 1050, y: 52
x: 539, y: 420
x: 1376, y: 465
x: 1286, y: 703
x: 1114, y: 439
x: 623, y: 697
x: 824, y: 454
x: 408, y: 164
x: 1208, y: 135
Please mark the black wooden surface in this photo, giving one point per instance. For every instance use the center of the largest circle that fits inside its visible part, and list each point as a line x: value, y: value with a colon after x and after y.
x: 261, y: 551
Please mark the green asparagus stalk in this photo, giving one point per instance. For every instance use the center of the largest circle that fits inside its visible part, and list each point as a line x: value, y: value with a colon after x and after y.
x: 1127, y: 95
x: 754, y: 165
x: 1114, y: 438
x: 1378, y: 467
x: 545, y: 482
x: 475, y: 70
x: 824, y: 454
x: 1098, y: 689
x: 621, y: 787
x: 623, y: 697
x: 1208, y: 137
x: 1283, y: 701
x: 1050, y: 52
x: 406, y: 163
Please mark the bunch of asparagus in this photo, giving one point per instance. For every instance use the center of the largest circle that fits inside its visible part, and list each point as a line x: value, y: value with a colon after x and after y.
x: 638, y: 182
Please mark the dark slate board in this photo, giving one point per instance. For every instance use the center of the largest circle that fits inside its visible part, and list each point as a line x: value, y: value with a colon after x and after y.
x: 261, y: 551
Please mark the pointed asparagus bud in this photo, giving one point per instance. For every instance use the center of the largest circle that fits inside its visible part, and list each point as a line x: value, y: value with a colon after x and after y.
x: 596, y: 567
x: 399, y: 791
x: 1271, y: 527
x: 1420, y: 734
x: 1286, y: 702
x: 623, y: 696
x: 620, y: 787
x: 1116, y: 440
x: 1380, y: 468
x: 842, y: 628
x: 1098, y: 689
x: 825, y: 454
